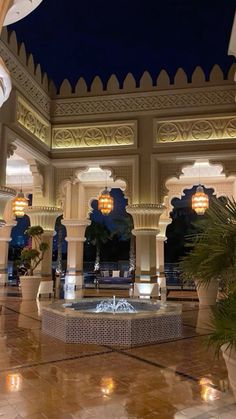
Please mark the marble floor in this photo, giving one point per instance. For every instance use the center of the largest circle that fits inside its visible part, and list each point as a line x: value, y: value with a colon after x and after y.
x: 41, y: 377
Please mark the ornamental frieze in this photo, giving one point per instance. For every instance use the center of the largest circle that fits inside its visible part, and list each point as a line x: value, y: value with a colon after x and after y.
x: 24, y: 82
x: 32, y: 122
x: 122, y: 134
x: 143, y: 102
x: 195, y: 130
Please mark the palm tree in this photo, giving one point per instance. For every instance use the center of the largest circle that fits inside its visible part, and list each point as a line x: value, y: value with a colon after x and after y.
x: 212, y: 253
x: 124, y: 227
x: 97, y: 234
x: 213, y: 256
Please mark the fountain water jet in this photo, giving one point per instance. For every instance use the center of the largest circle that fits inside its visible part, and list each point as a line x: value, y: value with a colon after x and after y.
x: 115, y: 306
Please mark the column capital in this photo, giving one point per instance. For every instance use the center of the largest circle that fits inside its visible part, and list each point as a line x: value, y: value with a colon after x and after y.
x: 44, y: 216
x: 146, y: 216
x: 76, y: 222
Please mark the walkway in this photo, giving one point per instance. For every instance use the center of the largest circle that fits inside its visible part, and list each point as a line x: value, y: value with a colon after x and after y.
x: 41, y: 377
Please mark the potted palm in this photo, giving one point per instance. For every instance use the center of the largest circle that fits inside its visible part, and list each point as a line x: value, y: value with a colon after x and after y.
x: 31, y: 258
x: 213, y: 257
x: 223, y: 336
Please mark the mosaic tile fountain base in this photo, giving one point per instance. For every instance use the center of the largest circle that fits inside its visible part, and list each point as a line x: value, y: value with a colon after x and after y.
x: 107, y: 329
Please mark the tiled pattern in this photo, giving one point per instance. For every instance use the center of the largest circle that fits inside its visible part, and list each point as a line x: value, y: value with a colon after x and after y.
x: 104, y: 330
x: 42, y: 377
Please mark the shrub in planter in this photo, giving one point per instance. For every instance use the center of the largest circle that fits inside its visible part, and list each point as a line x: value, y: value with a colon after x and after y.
x: 31, y: 258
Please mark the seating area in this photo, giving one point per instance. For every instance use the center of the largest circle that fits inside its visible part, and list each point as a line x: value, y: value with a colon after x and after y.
x: 114, y: 277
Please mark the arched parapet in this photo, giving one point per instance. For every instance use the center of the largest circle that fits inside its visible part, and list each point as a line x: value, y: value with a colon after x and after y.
x: 26, y: 74
x: 131, y: 84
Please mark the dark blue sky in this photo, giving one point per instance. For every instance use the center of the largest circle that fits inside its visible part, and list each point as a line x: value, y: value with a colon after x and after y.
x: 76, y: 38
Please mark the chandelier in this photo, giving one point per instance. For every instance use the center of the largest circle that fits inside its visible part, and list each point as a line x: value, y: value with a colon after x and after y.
x: 19, y: 204
x: 200, y: 201
x: 105, y: 202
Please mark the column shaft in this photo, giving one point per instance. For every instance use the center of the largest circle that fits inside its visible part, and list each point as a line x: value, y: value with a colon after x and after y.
x: 75, y: 251
x: 146, y: 220
x: 46, y: 218
x: 5, y: 238
x: 44, y: 269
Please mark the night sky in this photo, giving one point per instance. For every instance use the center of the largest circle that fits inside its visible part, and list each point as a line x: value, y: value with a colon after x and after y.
x: 77, y: 38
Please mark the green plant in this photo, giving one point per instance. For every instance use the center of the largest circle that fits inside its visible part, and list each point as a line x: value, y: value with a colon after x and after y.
x: 224, y: 323
x: 97, y: 234
x: 212, y: 256
x: 124, y: 226
x: 212, y: 252
x: 32, y: 256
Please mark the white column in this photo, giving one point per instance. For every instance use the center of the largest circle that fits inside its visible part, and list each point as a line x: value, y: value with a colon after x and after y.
x: 160, y: 256
x: 146, y: 220
x: 46, y: 218
x: 6, y: 194
x: 5, y: 238
x: 75, y: 251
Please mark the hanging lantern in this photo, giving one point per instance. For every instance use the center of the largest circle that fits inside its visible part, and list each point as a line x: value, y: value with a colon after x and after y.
x: 200, y: 201
x: 19, y: 204
x: 105, y: 202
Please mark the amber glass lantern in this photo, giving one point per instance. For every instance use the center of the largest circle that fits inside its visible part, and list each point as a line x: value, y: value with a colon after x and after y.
x: 19, y: 204
x: 200, y: 201
x: 105, y: 202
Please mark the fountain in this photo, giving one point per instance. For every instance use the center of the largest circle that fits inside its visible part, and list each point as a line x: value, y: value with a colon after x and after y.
x: 113, y: 321
x: 114, y: 306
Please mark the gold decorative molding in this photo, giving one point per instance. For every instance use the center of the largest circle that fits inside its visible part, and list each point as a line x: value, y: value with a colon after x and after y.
x: 32, y: 122
x: 145, y: 216
x: 145, y: 102
x: 195, y: 129
x: 121, y: 134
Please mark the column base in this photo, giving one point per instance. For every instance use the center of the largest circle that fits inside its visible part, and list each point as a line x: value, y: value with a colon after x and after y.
x: 162, y: 286
x: 3, y: 278
x: 146, y: 289
x: 75, y: 280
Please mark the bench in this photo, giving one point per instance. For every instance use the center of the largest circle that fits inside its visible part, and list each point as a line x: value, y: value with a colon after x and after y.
x: 114, y: 277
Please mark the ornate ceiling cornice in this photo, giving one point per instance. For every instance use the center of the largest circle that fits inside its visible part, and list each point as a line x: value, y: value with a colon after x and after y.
x: 145, y: 102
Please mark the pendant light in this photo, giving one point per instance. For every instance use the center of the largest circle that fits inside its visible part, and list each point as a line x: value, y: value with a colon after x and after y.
x: 19, y: 204
x: 105, y: 201
x: 200, y: 200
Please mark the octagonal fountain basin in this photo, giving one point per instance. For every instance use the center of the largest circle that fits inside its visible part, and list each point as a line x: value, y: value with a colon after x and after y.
x: 113, y: 321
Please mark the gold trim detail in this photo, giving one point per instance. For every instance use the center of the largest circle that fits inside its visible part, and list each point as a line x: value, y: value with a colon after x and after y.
x: 95, y: 136
x: 195, y: 130
x: 32, y: 122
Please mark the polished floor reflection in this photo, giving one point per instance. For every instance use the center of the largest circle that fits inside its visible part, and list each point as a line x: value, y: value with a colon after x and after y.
x: 41, y: 377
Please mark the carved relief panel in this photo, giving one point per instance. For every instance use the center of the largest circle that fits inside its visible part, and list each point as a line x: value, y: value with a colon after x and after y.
x: 195, y: 129
x: 93, y: 136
